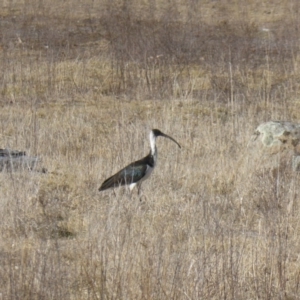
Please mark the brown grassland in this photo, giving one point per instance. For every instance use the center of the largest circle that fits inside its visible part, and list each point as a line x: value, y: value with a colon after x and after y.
x: 82, y: 82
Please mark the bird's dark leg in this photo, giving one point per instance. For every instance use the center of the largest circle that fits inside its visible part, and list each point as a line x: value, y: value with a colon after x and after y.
x: 139, y: 191
x: 130, y: 194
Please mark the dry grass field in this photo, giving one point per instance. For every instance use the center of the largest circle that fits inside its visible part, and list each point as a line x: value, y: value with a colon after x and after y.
x: 82, y: 83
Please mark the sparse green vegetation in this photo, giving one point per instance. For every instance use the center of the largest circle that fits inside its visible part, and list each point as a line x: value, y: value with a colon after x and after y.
x: 81, y: 84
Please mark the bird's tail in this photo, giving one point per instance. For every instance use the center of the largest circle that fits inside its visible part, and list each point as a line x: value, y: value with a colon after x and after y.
x: 109, y: 183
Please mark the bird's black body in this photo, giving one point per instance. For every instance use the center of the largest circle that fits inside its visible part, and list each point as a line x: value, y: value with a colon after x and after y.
x: 132, y: 173
x: 136, y: 172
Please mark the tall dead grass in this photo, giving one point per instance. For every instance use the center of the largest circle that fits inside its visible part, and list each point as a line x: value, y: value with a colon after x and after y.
x: 82, y: 83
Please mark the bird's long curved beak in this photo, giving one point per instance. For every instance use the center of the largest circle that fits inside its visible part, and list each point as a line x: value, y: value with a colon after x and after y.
x: 167, y: 136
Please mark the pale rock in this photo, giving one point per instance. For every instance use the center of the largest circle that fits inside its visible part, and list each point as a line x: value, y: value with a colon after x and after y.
x: 278, y: 142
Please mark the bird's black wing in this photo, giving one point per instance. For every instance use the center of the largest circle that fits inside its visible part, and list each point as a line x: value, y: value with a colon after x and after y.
x: 130, y: 174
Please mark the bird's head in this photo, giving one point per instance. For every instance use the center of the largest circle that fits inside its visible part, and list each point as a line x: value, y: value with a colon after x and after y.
x: 156, y: 132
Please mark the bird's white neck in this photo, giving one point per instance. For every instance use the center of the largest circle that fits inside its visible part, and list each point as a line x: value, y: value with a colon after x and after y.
x: 153, y: 143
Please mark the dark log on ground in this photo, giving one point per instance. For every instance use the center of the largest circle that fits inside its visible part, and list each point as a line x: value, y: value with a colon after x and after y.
x: 12, y: 160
